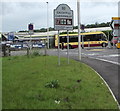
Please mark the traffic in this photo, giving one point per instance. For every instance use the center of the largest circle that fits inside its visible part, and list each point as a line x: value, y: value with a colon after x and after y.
x: 88, y: 39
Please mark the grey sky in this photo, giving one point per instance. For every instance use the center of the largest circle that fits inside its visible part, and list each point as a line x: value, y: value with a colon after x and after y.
x: 16, y: 15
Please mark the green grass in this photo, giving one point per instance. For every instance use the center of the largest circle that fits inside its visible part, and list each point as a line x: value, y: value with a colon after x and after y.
x: 24, y: 81
x: 0, y: 83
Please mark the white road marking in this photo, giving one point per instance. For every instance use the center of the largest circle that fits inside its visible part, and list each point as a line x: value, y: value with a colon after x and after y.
x: 92, y: 54
x: 113, y: 62
x: 113, y: 55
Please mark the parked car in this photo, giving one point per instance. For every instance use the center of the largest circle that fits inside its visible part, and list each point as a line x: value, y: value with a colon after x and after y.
x: 19, y: 46
x: 25, y: 45
x: 38, y: 45
x: 118, y: 43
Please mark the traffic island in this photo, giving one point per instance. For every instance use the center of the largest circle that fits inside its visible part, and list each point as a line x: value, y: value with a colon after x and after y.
x: 39, y: 83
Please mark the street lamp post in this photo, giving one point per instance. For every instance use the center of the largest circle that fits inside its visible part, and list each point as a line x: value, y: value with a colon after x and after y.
x: 47, y: 27
x: 79, y: 36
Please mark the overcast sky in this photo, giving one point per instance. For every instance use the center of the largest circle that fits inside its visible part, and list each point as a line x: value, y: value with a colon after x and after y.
x: 17, y: 14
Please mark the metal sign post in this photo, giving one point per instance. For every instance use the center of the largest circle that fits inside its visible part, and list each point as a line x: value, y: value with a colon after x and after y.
x: 58, y: 49
x: 68, y: 46
x: 109, y: 44
x: 83, y: 41
x: 30, y: 28
x: 30, y: 42
x: 45, y: 51
x: 63, y: 20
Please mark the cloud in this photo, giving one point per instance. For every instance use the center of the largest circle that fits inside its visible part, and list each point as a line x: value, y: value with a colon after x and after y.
x: 17, y: 15
x: 98, y: 13
x: 21, y: 14
x: 61, y: 0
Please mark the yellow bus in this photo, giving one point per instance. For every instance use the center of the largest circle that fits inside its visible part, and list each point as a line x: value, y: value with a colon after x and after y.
x: 88, y: 39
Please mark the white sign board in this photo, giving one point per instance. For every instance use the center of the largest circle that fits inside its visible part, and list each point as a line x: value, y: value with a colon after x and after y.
x: 116, y: 26
x: 63, y: 17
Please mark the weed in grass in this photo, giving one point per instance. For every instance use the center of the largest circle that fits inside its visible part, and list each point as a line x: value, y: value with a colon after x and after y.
x: 52, y: 84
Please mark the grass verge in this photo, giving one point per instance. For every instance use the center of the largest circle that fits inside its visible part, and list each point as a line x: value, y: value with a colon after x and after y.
x: 0, y: 83
x: 73, y: 86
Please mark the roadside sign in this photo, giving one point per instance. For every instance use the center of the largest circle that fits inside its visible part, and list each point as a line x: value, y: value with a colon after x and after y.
x: 115, y: 18
x: 63, y: 20
x: 115, y: 25
x: 111, y: 24
x: 63, y: 17
x: 30, y: 28
x: 82, y: 27
x: 11, y: 36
